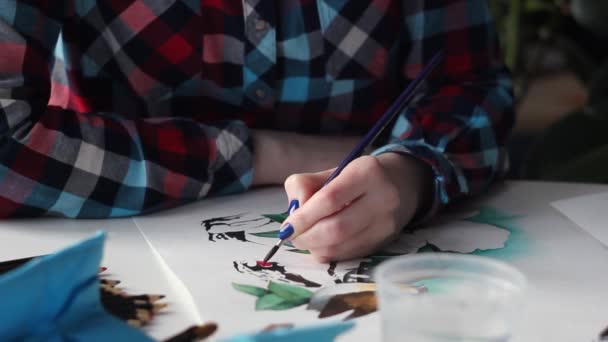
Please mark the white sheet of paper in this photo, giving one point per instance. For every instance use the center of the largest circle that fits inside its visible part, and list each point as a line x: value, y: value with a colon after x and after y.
x: 126, y: 254
x: 207, y: 268
x: 589, y: 212
x: 565, y: 267
x: 208, y: 257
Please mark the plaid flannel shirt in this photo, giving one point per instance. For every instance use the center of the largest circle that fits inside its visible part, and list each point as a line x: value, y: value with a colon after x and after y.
x: 119, y: 107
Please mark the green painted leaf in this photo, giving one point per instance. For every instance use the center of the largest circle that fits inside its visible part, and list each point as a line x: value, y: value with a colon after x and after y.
x: 291, y: 293
x: 269, y: 302
x: 252, y: 290
x: 274, y: 302
x: 271, y: 234
x: 286, y: 305
x: 277, y: 217
x: 301, y: 251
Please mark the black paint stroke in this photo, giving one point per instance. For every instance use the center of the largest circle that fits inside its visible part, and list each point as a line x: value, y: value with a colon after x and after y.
x: 331, y: 270
x: 233, y: 221
x: 274, y: 267
x: 240, y: 235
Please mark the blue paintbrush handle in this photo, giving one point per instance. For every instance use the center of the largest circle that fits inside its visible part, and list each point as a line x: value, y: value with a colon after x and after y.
x: 404, y: 98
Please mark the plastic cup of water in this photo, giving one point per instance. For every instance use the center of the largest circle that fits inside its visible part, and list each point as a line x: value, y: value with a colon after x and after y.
x: 433, y: 297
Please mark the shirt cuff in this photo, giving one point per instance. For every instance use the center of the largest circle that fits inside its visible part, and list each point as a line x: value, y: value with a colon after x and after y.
x: 438, y: 163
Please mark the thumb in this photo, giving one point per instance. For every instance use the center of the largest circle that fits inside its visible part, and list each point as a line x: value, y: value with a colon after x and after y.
x: 302, y: 186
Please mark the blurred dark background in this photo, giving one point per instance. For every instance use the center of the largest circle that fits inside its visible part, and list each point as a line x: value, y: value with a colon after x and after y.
x: 555, y: 49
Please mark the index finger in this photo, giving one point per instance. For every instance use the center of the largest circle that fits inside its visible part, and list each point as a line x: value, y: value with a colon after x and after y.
x: 327, y: 201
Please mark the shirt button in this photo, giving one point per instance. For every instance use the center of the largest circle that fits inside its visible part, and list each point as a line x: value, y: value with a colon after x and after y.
x: 260, y: 24
x: 260, y: 93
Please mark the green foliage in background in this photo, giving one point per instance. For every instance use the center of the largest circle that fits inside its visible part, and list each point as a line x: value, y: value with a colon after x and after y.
x: 512, y: 26
x: 521, y: 23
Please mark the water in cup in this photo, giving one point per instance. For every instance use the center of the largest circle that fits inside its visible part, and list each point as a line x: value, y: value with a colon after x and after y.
x: 459, y: 299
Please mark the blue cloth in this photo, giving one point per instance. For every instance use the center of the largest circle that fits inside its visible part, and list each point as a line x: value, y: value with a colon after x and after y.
x: 56, y: 298
x: 316, y: 333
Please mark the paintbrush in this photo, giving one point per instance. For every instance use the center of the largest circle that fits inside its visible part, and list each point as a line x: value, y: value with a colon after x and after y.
x: 396, y: 107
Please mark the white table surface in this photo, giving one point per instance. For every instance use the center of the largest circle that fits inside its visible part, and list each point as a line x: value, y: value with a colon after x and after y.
x: 567, y: 272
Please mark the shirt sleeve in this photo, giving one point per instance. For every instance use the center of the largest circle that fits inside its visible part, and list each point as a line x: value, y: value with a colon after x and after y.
x: 461, y: 123
x: 94, y: 165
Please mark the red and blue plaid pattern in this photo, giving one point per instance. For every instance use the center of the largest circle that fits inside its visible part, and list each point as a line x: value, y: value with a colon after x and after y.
x: 118, y: 107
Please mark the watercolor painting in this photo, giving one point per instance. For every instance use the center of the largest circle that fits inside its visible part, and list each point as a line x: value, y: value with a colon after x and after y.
x: 212, y: 247
x: 273, y: 271
x: 348, y: 287
x: 486, y: 230
x: 357, y: 299
x: 277, y: 296
x: 246, y: 227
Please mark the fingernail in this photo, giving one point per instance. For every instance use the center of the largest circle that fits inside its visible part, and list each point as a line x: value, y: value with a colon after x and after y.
x: 286, y: 231
x: 293, y: 206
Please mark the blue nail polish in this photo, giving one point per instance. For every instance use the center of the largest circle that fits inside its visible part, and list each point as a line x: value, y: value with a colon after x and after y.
x: 293, y: 206
x: 286, y: 231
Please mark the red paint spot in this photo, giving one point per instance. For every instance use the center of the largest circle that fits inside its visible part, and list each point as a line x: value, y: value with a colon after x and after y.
x: 102, y: 269
x: 263, y: 264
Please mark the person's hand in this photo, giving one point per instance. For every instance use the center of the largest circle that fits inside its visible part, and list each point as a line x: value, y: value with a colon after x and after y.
x: 363, y: 208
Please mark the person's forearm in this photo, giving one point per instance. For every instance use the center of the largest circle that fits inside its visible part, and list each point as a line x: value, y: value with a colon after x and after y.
x: 277, y: 155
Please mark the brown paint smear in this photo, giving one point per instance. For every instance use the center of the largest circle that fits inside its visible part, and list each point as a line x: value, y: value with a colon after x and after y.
x: 362, y: 303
